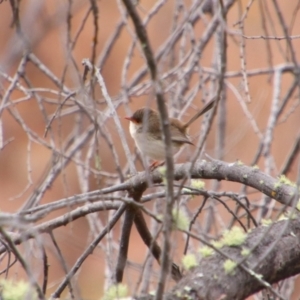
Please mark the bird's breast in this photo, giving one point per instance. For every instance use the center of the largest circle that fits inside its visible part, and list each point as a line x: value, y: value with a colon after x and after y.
x: 133, y: 129
x: 148, y: 145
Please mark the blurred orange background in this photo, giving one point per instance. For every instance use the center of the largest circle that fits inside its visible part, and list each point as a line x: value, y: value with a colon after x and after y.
x: 48, y: 33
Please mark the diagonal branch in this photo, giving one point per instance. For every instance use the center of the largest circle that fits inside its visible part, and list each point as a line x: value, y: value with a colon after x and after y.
x: 209, y: 280
x: 151, y: 243
x: 276, y: 188
x: 88, y: 251
x: 124, y: 242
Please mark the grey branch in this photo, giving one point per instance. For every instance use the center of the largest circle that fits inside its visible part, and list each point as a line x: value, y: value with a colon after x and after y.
x: 209, y: 281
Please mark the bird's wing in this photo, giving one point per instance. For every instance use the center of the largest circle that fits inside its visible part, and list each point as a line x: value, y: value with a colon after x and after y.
x: 178, y: 135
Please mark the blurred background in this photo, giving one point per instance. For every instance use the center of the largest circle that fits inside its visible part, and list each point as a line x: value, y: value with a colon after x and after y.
x: 60, y: 34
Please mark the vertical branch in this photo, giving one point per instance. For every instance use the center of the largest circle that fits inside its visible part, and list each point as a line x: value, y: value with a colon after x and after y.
x: 109, y: 101
x: 221, y: 69
x: 286, y: 32
x: 95, y: 12
x: 124, y: 243
x: 143, y: 38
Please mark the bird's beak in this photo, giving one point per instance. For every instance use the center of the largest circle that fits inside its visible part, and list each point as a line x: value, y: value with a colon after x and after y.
x: 131, y: 119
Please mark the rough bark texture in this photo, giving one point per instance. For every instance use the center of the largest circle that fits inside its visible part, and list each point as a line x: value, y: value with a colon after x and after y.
x: 209, y: 281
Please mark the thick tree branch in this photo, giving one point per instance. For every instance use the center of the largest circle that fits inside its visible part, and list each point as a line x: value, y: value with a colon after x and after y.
x: 124, y: 244
x: 209, y: 281
x: 166, y: 134
x: 275, y: 188
x: 151, y: 243
x: 213, y: 169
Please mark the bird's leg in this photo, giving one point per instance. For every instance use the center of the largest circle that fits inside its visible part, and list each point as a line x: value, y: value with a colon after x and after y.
x: 156, y: 164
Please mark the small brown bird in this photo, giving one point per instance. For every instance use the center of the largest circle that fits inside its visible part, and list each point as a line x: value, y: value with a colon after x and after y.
x: 145, y: 129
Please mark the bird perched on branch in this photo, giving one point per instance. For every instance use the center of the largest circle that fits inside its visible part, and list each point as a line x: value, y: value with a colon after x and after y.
x: 146, y: 130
